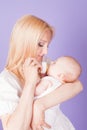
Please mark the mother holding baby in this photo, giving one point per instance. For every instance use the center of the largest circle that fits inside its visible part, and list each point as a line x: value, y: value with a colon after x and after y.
x: 29, y: 43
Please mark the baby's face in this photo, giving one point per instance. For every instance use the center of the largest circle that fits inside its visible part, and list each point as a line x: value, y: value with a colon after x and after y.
x: 55, y: 69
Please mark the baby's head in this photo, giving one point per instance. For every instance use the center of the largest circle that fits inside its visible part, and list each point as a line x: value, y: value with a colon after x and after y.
x: 66, y: 69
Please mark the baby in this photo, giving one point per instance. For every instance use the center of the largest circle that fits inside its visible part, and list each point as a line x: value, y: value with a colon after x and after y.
x: 64, y: 70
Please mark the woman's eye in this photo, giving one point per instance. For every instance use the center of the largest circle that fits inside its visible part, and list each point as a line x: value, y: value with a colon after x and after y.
x: 40, y: 44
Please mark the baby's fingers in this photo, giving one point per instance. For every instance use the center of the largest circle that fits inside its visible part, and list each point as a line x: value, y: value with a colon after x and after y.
x: 45, y: 125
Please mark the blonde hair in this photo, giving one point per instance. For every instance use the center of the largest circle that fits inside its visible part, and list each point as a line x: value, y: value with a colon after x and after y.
x: 24, y: 39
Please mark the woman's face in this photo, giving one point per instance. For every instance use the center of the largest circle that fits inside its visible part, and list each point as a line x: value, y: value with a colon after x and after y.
x: 43, y: 45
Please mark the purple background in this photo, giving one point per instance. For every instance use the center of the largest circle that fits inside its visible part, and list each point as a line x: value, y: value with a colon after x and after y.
x: 69, y: 17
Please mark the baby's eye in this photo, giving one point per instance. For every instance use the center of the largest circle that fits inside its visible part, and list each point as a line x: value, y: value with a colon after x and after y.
x: 40, y: 44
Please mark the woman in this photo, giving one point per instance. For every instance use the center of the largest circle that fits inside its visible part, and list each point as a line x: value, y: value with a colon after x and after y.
x: 29, y: 42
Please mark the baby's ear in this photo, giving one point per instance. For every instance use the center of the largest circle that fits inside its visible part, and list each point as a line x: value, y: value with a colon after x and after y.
x: 62, y: 77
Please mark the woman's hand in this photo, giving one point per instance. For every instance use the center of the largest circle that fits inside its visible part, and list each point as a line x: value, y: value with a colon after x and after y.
x: 38, y: 119
x: 30, y: 70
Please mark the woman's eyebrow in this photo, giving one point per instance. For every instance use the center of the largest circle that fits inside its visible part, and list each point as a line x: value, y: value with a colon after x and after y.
x: 43, y: 41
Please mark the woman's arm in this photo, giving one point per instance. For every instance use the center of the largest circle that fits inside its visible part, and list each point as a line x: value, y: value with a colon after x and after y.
x: 58, y: 96
x: 20, y: 119
x: 61, y: 94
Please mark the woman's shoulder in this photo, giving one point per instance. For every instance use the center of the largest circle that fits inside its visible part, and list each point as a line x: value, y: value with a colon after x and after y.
x: 4, y: 77
x: 10, y: 92
x: 9, y: 81
x: 5, y: 74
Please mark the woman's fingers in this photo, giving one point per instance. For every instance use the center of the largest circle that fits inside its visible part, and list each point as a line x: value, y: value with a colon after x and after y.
x: 31, y: 68
x: 32, y: 62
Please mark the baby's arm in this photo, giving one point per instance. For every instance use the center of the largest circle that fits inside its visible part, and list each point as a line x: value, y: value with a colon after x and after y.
x: 42, y: 86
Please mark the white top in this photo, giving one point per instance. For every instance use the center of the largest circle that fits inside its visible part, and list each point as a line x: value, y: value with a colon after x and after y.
x: 10, y: 92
